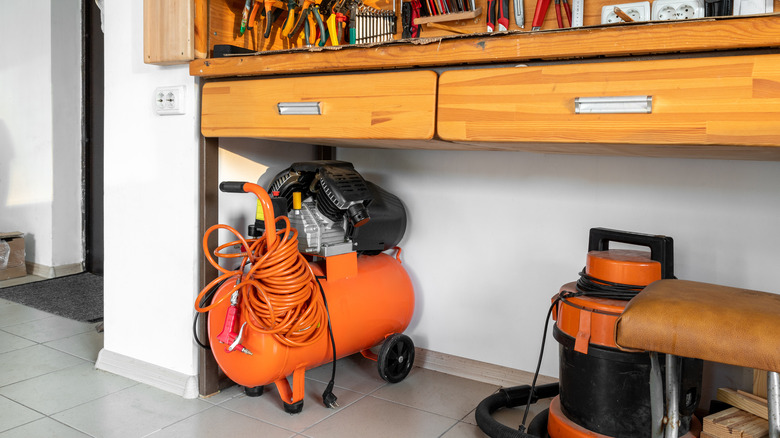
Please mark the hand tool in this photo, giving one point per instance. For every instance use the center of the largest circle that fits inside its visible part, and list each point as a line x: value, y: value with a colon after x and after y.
x: 314, y: 12
x: 301, y: 20
x: 498, y: 14
x: 245, y: 17
x: 334, y: 23
x: 519, y: 13
x: 351, y: 24
x: 578, y: 10
x: 271, y: 14
x: 502, y: 15
x: 406, y: 20
x: 491, y: 15
x: 289, y: 22
x: 253, y: 16
x: 541, y: 11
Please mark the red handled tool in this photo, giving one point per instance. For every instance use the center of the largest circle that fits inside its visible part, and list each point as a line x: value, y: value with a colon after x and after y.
x: 491, y: 15
x: 541, y: 12
x: 497, y: 15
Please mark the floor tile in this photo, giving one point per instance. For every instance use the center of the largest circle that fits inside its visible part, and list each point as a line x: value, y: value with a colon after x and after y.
x: 464, y: 430
x: 442, y: 394
x: 379, y: 418
x: 219, y: 422
x: 354, y: 372
x: 269, y: 407
x: 224, y: 395
x: 85, y: 345
x: 65, y: 389
x: 133, y: 412
x: 13, y: 414
x: 45, y: 427
x: 9, y: 342
x: 49, y: 329
x: 32, y: 362
x: 16, y: 314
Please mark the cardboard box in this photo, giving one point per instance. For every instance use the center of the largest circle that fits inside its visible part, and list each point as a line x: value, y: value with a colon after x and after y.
x: 14, y: 266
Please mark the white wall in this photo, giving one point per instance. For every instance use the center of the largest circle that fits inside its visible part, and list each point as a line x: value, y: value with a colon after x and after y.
x: 151, y: 202
x: 40, y: 128
x: 493, y: 235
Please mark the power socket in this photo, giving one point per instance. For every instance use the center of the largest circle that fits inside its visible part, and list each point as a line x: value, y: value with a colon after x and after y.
x: 639, y: 11
x: 665, y: 10
x: 169, y: 100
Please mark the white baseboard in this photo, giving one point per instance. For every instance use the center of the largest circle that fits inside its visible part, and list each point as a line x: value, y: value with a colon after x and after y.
x: 150, y: 374
x: 475, y: 370
x: 53, y: 271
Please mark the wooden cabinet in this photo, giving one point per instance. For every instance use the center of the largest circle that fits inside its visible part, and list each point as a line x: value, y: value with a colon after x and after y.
x: 399, y: 105
x: 732, y: 100
x: 714, y: 85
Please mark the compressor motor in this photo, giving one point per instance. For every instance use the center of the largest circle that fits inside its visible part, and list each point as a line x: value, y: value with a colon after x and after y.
x: 338, y: 211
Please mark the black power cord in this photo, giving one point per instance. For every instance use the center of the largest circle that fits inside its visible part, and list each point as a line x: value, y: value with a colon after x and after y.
x: 207, y: 297
x: 328, y: 398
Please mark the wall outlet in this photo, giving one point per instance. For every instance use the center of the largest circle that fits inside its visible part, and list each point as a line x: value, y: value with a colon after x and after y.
x: 639, y: 11
x: 664, y: 10
x: 169, y: 100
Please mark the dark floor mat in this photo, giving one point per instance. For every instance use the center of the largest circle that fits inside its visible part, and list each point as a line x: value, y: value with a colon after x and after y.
x: 78, y: 296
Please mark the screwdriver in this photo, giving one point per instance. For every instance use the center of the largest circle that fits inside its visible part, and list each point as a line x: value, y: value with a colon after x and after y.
x: 245, y: 17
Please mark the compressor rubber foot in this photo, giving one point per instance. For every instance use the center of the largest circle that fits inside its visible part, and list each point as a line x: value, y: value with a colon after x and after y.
x: 294, y: 408
x: 256, y: 391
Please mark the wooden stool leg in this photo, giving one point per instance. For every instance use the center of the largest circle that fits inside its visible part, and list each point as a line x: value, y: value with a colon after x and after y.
x: 672, y: 396
x: 773, y: 402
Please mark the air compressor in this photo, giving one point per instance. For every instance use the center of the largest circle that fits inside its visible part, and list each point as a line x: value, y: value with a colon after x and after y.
x: 314, y: 282
x: 602, y: 390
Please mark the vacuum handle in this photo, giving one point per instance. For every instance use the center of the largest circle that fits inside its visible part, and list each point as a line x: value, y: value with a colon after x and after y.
x: 661, y: 247
x: 232, y: 186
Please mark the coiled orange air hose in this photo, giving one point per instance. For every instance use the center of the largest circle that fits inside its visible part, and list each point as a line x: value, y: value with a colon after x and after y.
x: 278, y: 294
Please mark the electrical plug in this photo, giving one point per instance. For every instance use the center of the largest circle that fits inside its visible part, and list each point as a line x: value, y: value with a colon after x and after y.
x: 328, y: 398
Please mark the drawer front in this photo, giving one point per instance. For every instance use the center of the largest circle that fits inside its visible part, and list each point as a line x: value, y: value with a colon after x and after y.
x: 731, y: 100
x: 399, y: 105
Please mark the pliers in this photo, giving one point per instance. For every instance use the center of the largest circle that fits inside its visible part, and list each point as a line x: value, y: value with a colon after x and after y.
x: 498, y: 12
x: 541, y: 12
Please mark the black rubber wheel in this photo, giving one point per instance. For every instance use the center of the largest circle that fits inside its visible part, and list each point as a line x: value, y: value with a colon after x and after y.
x: 396, y: 358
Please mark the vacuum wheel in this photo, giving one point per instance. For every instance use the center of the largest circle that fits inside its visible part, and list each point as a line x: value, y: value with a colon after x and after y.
x: 396, y: 358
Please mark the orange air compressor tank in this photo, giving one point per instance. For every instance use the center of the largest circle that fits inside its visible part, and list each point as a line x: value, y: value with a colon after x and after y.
x: 369, y: 298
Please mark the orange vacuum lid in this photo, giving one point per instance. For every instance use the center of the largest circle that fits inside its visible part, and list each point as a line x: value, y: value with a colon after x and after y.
x: 591, y: 320
x: 624, y: 266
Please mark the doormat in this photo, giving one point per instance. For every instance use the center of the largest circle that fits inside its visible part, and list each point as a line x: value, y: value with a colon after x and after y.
x: 78, y: 296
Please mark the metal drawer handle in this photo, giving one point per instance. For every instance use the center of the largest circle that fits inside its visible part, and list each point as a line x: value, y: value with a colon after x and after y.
x: 299, y: 108
x: 614, y: 105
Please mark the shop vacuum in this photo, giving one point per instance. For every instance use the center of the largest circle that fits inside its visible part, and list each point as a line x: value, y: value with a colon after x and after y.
x: 312, y: 282
x: 602, y: 391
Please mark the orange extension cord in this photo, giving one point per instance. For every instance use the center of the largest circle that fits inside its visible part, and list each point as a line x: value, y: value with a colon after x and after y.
x: 278, y: 295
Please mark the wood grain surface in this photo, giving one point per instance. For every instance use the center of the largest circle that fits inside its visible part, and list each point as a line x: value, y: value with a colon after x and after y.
x: 709, y: 101
x: 397, y: 105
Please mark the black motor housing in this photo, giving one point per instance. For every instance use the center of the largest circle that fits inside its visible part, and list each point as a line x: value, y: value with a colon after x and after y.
x: 375, y: 218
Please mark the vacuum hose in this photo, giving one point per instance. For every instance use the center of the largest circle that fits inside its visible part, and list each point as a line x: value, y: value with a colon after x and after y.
x: 510, y: 398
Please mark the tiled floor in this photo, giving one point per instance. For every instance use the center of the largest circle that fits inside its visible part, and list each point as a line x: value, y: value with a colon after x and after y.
x: 50, y: 388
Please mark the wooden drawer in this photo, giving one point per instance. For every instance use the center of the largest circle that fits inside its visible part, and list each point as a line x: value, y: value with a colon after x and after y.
x: 400, y: 105
x: 731, y: 100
